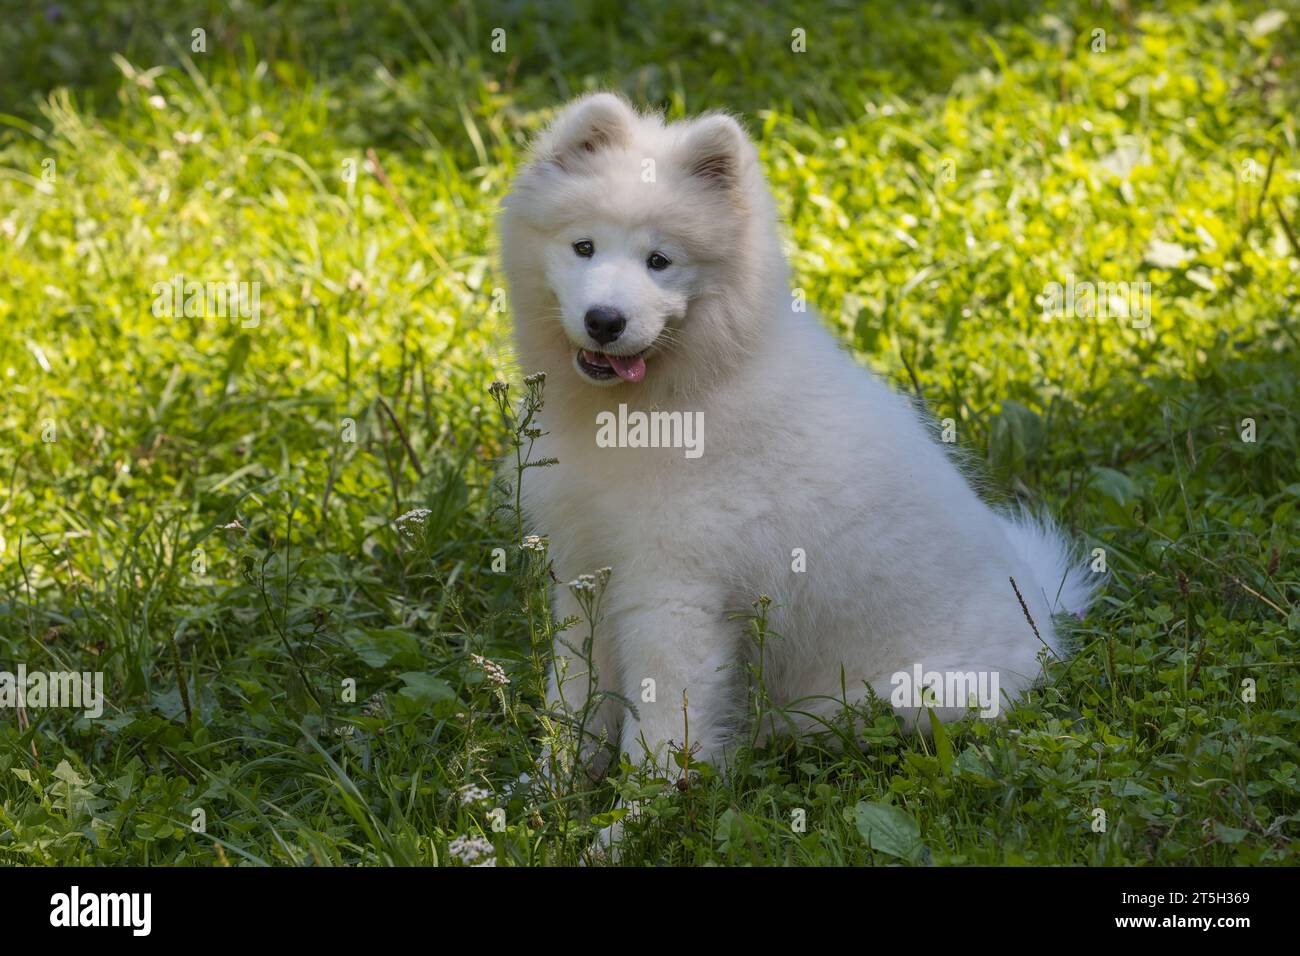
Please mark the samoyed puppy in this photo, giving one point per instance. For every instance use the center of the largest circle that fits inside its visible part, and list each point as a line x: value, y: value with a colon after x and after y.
x: 714, y: 444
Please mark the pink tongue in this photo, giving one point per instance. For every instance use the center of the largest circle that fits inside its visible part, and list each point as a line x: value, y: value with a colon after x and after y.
x: 628, y: 368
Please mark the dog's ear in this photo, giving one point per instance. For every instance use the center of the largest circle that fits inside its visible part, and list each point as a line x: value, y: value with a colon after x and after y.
x: 715, y: 149
x: 587, y: 125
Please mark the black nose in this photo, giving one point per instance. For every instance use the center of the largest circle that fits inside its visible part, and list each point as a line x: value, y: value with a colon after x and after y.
x: 604, y: 324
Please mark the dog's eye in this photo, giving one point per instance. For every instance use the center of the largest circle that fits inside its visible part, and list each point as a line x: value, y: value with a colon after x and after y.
x: 658, y: 261
x: 585, y: 248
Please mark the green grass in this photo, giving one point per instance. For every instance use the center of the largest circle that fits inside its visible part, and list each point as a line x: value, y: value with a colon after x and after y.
x: 199, y: 530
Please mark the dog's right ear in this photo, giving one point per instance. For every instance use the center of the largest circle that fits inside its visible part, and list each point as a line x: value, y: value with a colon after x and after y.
x: 587, y: 125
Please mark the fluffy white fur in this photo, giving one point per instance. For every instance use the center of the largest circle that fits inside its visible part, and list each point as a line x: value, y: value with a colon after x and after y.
x: 803, y: 448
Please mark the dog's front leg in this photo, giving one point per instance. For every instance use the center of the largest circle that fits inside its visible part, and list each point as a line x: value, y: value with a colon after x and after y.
x: 676, y: 656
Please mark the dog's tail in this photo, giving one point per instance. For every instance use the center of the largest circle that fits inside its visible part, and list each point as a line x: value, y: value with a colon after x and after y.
x: 1062, y: 578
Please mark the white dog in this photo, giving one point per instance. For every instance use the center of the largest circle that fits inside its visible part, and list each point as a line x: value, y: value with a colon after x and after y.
x: 646, y: 272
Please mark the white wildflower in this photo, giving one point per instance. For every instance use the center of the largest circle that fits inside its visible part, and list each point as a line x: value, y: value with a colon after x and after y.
x: 469, y: 850
x: 409, y: 523
x: 495, y: 673
x: 583, y: 583
x: 469, y: 795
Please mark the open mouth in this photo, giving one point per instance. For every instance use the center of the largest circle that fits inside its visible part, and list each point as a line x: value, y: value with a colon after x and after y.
x: 603, y: 367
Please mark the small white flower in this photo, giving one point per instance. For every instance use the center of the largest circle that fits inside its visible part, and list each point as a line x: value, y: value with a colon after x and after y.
x: 469, y: 795
x: 495, y: 673
x: 469, y: 849
x: 583, y: 583
x: 412, y: 521
x: 534, y: 542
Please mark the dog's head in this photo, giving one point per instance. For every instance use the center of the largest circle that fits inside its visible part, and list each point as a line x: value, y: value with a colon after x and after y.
x: 631, y: 245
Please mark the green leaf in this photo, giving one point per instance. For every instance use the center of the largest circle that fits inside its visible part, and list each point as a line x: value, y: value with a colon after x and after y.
x: 65, y: 772
x: 1114, y: 484
x: 942, y: 747
x: 1227, y: 834
x: 603, y: 820
x: 425, y: 689
x: 1130, y: 788
x: 382, y: 647
x: 889, y: 830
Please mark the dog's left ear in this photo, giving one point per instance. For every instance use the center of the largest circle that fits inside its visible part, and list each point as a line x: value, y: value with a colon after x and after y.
x: 715, y: 150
